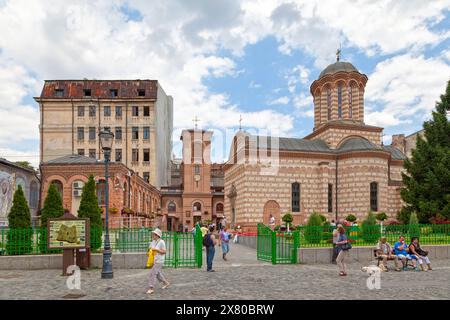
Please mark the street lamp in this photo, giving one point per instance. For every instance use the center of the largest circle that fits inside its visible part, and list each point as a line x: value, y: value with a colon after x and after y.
x: 106, y: 141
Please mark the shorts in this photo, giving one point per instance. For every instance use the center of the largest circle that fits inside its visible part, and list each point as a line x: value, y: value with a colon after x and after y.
x: 407, y: 256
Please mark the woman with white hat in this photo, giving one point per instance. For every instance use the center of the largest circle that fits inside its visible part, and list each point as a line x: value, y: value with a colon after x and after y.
x: 159, y: 246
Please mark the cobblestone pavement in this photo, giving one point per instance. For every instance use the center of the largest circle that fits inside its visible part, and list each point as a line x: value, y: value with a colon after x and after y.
x: 242, y: 277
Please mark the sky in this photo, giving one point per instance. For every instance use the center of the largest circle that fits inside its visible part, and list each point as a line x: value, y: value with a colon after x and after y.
x: 222, y: 60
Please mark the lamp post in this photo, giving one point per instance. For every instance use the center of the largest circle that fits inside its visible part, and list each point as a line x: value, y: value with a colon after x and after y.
x: 106, y: 141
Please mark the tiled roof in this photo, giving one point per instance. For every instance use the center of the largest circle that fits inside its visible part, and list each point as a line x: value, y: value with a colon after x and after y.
x: 354, y: 144
x: 74, y: 89
x: 73, y: 159
x: 396, y: 153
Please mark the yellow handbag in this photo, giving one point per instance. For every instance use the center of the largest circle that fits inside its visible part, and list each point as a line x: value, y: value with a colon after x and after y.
x: 151, y: 258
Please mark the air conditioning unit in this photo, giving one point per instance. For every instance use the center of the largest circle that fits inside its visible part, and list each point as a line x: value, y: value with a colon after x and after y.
x: 78, y: 185
x: 77, y: 193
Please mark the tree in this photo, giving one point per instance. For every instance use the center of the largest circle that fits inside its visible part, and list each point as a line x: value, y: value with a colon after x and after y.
x: 287, y: 218
x: 381, y: 216
x: 351, y: 218
x: 25, y: 164
x: 19, y: 221
x: 313, y: 229
x: 427, y: 178
x: 89, y: 209
x: 370, y: 231
x: 53, y: 208
x: 414, y: 228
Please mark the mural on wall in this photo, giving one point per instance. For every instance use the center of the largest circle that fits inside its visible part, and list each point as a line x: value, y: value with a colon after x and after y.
x: 6, y: 194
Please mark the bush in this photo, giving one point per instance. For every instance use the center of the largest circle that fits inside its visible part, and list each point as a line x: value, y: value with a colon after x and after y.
x: 313, y: 229
x: 89, y: 209
x: 351, y: 218
x: 287, y: 218
x: 381, y: 216
x: 414, y: 228
x: 370, y: 231
x: 53, y: 208
x: 404, y: 214
x: 19, y: 236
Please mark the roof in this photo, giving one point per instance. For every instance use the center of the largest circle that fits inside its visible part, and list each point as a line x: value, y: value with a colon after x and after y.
x: 354, y: 144
x: 338, y: 66
x: 396, y: 154
x: 295, y: 144
x: 15, y: 165
x: 73, y: 159
x: 74, y: 89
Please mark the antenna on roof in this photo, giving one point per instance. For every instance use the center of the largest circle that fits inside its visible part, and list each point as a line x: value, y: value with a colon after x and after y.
x: 338, y: 52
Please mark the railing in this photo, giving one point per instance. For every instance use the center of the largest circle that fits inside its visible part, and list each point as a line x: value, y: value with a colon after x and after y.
x: 322, y: 236
x: 183, y: 249
x: 276, y: 247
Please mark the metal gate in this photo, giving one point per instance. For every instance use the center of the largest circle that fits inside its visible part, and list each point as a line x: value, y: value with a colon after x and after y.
x: 276, y: 247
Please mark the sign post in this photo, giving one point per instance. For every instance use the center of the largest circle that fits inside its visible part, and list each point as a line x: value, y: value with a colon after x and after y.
x: 68, y: 233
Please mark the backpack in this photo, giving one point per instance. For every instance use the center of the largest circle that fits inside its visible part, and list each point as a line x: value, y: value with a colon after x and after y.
x: 207, y: 241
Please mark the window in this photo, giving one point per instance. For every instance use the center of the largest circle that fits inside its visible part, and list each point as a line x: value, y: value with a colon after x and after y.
x: 107, y: 111
x: 296, y: 197
x: 172, y: 207
x: 146, y: 176
x: 59, y: 93
x: 91, y: 133
x: 219, y: 207
x: 146, y: 111
x: 197, y: 206
x: 146, y: 133
x: 329, y: 103
x: 141, y: 92
x: 135, y: 155
x: 92, y: 111
x: 113, y: 92
x: 146, y: 155
x: 340, y: 101
x: 196, y: 169
x: 81, y: 111
x: 118, y: 134
x: 101, y: 188
x: 81, y: 152
x: 80, y: 133
x: 374, y: 196
x: 87, y: 92
x: 350, y: 102
x: 330, y: 198
x: 135, y: 111
x: 92, y: 153
x: 135, y: 133
x: 34, y: 192
x: 59, y: 186
x: 118, y: 112
x: 118, y: 155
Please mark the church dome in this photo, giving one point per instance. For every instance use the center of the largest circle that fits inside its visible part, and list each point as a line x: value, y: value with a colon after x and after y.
x: 338, y: 66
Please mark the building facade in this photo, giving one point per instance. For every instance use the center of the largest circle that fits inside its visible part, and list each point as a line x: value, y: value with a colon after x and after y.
x: 11, y: 176
x: 138, y: 112
x: 132, y: 201
x: 341, y: 168
x: 197, y: 190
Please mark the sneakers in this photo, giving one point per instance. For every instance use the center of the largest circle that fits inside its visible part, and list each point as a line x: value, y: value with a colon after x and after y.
x: 166, y: 285
x: 150, y: 291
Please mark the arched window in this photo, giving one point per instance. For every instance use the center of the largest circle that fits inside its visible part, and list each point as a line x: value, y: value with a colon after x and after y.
x: 59, y: 187
x: 101, y: 192
x: 219, y: 207
x: 296, y: 197
x: 197, y: 206
x: 340, y: 101
x: 125, y: 195
x: 34, y: 194
x: 20, y: 182
x: 350, y: 102
x: 172, y: 207
x: 374, y: 196
x: 329, y: 103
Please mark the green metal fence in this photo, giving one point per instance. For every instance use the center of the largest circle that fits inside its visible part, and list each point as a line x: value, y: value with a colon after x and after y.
x: 276, y: 247
x: 322, y: 236
x: 183, y: 249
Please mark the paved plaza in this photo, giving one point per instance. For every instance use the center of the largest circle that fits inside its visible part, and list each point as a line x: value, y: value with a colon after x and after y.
x: 242, y: 277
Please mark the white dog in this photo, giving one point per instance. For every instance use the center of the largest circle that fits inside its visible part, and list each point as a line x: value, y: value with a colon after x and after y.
x: 374, y: 280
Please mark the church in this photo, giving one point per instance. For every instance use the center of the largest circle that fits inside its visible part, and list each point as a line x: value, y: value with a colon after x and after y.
x: 340, y: 168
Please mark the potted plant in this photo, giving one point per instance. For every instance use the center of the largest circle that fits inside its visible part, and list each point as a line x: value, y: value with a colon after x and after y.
x: 381, y: 217
x: 287, y: 218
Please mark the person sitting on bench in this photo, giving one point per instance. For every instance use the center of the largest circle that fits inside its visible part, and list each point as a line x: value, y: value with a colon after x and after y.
x: 401, y: 251
x: 384, y: 253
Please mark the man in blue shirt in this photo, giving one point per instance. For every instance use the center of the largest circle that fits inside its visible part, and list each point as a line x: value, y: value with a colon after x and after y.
x: 401, y: 251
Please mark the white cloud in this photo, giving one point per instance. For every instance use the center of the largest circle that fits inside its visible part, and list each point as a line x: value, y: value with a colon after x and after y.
x: 279, y: 101
x: 14, y: 155
x: 405, y: 86
x: 254, y: 85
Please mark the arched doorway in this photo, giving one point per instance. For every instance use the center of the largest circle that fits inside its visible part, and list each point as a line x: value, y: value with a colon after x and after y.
x: 272, y: 208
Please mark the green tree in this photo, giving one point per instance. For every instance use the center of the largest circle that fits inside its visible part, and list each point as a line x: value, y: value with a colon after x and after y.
x: 351, y: 218
x: 53, y: 208
x: 25, y: 164
x: 89, y: 209
x: 370, y: 231
x: 287, y: 218
x: 427, y: 178
x: 414, y: 228
x: 19, y: 236
x: 313, y: 229
x: 381, y: 216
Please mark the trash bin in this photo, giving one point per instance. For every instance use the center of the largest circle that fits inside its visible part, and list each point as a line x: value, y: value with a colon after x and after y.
x: 83, y: 258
